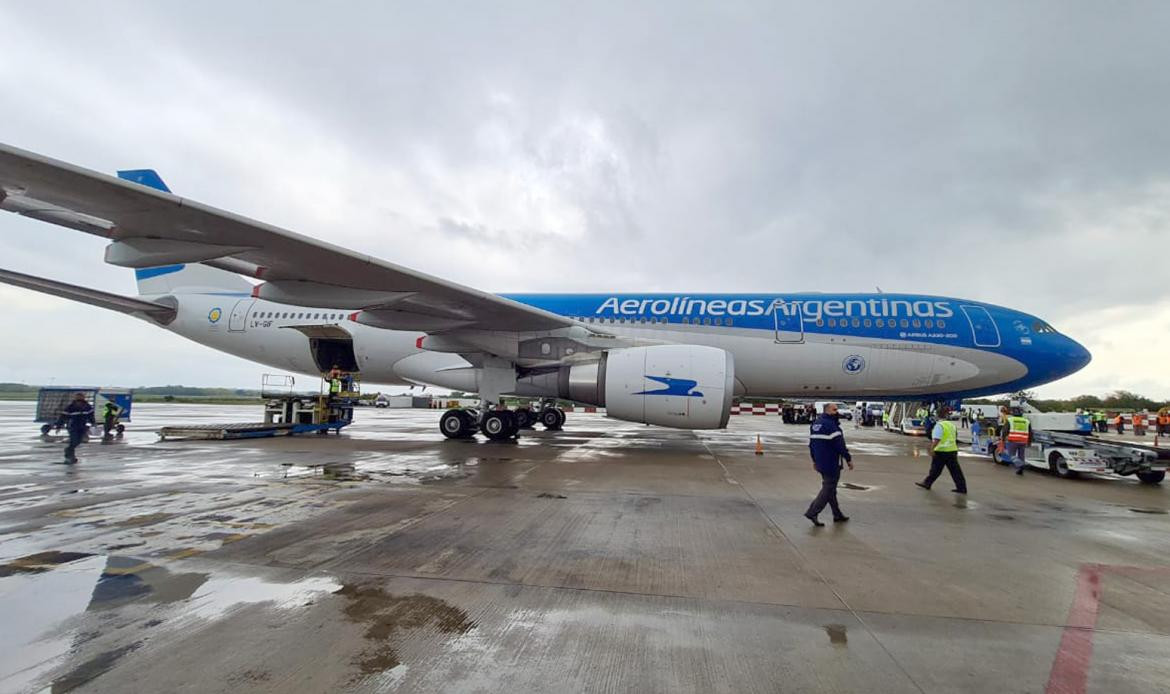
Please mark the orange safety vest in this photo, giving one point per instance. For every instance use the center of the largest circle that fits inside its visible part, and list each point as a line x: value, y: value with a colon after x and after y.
x: 1164, y: 419
x: 1139, y: 420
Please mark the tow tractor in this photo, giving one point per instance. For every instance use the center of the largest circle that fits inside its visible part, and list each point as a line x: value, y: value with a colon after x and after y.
x: 1068, y: 455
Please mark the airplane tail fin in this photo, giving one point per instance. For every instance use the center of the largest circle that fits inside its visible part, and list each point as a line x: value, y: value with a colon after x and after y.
x: 167, y: 279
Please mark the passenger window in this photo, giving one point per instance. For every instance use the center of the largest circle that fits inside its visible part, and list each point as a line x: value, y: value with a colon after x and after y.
x: 832, y: 322
x: 879, y: 322
x: 904, y: 323
x: 916, y: 323
x: 868, y: 323
x: 706, y: 321
x: 940, y: 323
x: 856, y: 323
x: 727, y: 322
x: 820, y: 323
x: 929, y: 323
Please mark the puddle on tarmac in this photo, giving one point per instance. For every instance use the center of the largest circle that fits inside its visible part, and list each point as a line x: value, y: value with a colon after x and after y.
x: 57, y: 602
x: 837, y: 634
x: 1159, y: 511
x: 386, y: 615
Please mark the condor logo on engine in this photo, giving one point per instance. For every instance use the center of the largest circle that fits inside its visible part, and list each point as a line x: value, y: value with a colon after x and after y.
x: 674, y: 386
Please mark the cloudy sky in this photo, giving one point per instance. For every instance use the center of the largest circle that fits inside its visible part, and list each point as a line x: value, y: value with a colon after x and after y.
x: 1016, y: 153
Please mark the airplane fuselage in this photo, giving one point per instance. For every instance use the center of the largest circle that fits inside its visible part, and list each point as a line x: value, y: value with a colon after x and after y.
x: 849, y: 346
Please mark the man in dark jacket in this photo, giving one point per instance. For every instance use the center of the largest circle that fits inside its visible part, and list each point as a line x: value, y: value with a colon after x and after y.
x: 826, y: 444
x: 78, y: 418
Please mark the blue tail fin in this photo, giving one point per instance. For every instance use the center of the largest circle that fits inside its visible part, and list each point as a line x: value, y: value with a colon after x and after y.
x: 144, y: 177
x: 191, y: 277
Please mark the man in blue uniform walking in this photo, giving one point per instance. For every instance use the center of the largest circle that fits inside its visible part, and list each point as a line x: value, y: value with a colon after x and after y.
x: 826, y: 444
x: 78, y: 418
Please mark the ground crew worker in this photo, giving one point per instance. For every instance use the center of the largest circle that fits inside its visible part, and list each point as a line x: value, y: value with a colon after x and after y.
x: 1119, y: 423
x: 944, y: 452
x: 826, y: 445
x: 109, y: 416
x: 1163, y: 422
x: 1139, y: 424
x: 1017, y: 436
x: 335, y: 380
x: 885, y: 419
x: 78, y: 418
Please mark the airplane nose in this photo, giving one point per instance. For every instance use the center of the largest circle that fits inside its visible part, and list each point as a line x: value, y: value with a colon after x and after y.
x: 1076, y: 357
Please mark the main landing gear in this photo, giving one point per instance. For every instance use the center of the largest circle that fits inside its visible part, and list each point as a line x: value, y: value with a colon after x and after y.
x: 498, y: 425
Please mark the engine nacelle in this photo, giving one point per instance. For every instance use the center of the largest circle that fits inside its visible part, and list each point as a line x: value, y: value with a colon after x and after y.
x: 680, y: 386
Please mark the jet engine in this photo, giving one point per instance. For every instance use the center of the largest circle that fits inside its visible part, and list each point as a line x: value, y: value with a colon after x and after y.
x: 680, y: 386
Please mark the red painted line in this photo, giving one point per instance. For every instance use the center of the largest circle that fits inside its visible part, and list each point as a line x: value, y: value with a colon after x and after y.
x: 1070, y: 669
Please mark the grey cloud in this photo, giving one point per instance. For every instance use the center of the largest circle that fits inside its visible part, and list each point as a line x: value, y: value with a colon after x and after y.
x: 917, y: 146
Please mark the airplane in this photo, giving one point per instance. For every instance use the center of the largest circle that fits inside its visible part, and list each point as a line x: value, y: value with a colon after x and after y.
x: 676, y: 360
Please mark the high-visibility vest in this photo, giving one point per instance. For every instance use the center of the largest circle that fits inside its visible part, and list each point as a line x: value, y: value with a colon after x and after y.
x: 949, y: 441
x: 1139, y: 420
x: 335, y: 385
x: 885, y: 418
x: 1017, y: 429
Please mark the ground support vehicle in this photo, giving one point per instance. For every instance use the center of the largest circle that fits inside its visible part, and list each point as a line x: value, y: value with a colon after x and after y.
x: 1069, y: 455
x: 286, y: 413
x: 52, y: 401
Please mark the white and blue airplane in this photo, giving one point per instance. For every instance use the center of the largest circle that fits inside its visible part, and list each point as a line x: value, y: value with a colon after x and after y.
x: 677, y: 360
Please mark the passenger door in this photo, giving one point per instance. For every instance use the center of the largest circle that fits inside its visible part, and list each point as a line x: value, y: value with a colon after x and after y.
x: 238, y: 320
x: 789, y: 323
x: 983, y: 328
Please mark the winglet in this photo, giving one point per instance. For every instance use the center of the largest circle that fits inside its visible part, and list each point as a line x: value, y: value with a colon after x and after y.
x: 144, y: 177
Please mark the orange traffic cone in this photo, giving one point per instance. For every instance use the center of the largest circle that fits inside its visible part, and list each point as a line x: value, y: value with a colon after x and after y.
x: 759, y: 445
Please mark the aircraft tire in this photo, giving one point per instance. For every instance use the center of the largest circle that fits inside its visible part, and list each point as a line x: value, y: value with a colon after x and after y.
x: 456, y: 424
x: 1152, y: 477
x: 525, y: 417
x: 552, y: 418
x: 498, y: 425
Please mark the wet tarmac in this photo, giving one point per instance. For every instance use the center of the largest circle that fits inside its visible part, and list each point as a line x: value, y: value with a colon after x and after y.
x: 607, y: 557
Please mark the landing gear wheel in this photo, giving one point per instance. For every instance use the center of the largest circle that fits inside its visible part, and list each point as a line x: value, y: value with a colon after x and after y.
x: 46, y: 428
x: 1059, y: 467
x: 456, y: 424
x: 514, y: 426
x: 553, y: 418
x: 121, y: 429
x: 525, y: 417
x: 1152, y: 477
x: 498, y: 425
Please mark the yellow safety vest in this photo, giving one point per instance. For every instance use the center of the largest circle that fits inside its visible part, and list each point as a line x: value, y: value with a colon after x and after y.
x: 949, y: 441
x: 1017, y: 429
x: 335, y: 385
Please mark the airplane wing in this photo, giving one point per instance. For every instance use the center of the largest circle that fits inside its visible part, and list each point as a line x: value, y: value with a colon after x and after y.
x: 157, y: 311
x: 149, y: 227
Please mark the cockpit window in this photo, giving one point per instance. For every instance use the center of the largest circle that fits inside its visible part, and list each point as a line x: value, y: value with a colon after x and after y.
x: 1042, y: 328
